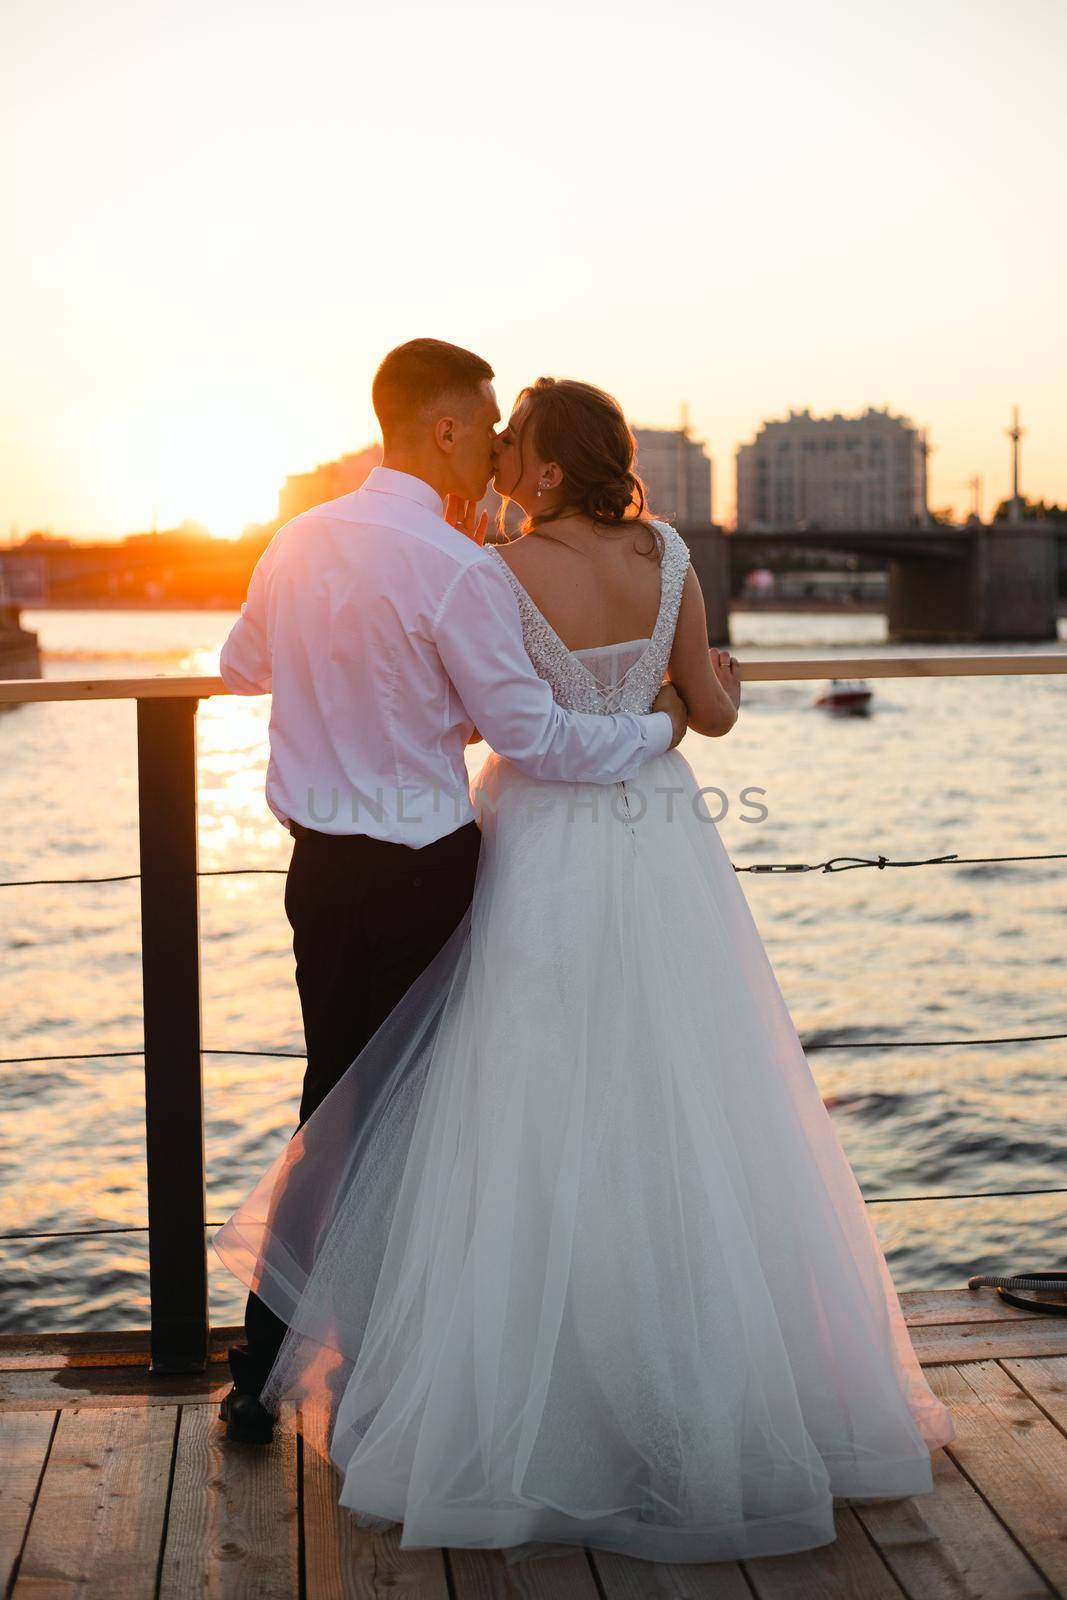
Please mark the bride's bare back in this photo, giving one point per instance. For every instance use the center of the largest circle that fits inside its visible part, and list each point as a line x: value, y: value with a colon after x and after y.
x: 599, y: 587
x: 595, y: 588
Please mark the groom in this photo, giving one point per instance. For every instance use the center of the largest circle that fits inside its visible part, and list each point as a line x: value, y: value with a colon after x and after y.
x: 386, y: 633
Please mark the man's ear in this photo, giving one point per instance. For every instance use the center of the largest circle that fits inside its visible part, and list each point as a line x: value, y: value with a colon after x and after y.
x: 444, y: 432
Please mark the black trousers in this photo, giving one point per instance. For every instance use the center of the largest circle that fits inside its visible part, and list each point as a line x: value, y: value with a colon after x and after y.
x: 368, y: 916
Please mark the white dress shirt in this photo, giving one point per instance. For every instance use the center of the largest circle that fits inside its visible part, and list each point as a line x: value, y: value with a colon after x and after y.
x: 384, y: 635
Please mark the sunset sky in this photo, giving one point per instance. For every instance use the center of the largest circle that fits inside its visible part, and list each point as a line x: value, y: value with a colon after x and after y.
x: 217, y: 218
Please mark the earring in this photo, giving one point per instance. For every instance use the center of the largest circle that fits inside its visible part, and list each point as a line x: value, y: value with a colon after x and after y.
x: 541, y: 487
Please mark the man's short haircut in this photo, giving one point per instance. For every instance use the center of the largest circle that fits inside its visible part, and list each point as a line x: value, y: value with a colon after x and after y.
x: 416, y: 376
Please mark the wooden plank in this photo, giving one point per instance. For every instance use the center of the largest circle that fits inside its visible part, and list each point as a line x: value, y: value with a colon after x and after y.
x: 130, y: 1346
x: 1045, y: 1381
x: 345, y: 1562
x: 108, y: 1387
x: 232, y: 1530
x: 99, y: 1517
x: 43, y: 1352
x: 162, y: 687
x: 626, y: 1578
x: 949, y: 1545
x: 51, y: 1371
x: 922, y: 1306
x: 847, y: 1569
x: 949, y: 1344
x: 940, y: 1336
x: 24, y: 1440
x: 888, y: 666
x: 884, y: 666
x: 485, y: 1575
x: 1015, y: 1457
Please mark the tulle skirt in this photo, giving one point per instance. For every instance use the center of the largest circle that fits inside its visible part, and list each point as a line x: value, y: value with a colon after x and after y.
x: 572, y: 1256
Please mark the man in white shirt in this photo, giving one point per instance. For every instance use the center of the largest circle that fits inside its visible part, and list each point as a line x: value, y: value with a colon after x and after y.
x: 385, y: 633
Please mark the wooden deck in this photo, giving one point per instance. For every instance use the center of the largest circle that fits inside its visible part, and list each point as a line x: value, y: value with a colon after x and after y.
x: 115, y: 1484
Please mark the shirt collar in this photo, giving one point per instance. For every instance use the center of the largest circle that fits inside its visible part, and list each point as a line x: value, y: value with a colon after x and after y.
x: 386, y: 480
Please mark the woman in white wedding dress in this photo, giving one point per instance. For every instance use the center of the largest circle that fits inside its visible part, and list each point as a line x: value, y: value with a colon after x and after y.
x: 572, y: 1256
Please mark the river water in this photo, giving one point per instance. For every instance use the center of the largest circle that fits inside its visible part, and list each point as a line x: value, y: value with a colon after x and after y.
x: 971, y: 766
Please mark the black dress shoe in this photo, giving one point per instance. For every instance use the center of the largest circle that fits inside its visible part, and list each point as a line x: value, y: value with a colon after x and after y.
x: 247, y: 1422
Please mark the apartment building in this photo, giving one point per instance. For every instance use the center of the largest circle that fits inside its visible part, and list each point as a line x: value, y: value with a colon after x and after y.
x: 677, y: 473
x: 861, y: 472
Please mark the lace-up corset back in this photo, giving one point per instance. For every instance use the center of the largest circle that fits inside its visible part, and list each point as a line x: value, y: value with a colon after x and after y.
x: 607, y: 678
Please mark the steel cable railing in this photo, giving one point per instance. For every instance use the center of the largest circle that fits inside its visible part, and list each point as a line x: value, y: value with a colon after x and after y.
x: 851, y: 862
x: 879, y: 862
x: 166, y: 757
x: 871, y: 1200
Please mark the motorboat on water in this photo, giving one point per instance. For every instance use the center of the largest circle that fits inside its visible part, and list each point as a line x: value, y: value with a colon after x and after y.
x: 852, y: 696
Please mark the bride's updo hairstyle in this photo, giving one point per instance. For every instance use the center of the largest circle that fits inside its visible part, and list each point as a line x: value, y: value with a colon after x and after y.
x: 584, y: 431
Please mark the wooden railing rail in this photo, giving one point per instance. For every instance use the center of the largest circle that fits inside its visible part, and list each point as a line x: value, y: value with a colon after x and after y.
x: 885, y: 666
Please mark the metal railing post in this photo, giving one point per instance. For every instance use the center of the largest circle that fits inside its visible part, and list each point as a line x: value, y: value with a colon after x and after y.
x: 174, y: 1099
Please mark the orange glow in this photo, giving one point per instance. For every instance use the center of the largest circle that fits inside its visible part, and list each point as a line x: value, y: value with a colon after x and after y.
x: 201, y: 445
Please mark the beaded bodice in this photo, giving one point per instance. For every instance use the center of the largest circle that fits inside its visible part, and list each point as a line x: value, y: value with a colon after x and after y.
x: 573, y: 682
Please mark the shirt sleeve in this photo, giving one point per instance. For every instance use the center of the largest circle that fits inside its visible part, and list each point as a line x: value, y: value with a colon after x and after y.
x: 245, y: 657
x: 478, y: 632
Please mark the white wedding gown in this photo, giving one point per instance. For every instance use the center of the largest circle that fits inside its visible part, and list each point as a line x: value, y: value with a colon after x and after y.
x: 572, y: 1255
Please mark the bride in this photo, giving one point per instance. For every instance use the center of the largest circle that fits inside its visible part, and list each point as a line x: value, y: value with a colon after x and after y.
x: 572, y: 1256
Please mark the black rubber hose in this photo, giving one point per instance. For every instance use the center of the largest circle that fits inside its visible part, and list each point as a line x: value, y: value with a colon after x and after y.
x: 1029, y: 1281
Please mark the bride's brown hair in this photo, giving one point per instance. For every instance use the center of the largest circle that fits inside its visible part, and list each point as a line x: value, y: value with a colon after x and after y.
x: 583, y: 429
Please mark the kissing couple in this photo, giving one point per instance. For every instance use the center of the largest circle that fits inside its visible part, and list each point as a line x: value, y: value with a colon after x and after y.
x: 565, y: 1251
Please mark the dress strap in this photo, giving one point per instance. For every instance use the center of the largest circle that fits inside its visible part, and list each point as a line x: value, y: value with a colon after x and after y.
x: 675, y: 565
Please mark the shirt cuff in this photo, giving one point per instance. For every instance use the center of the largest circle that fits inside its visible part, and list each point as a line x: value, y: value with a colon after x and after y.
x: 659, y: 731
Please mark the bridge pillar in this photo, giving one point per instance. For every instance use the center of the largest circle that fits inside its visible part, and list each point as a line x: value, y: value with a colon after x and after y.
x: 1002, y: 589
x: 711, y: 561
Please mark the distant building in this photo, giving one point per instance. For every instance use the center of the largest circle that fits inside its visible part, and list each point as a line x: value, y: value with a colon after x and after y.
x: 32, y: 540
x: 306, y: 489
x: 859, y: 472
x: 24, y: 575
x: 676, y: 472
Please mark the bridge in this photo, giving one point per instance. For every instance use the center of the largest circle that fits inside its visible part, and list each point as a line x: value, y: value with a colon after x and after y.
x: 984, y: 582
